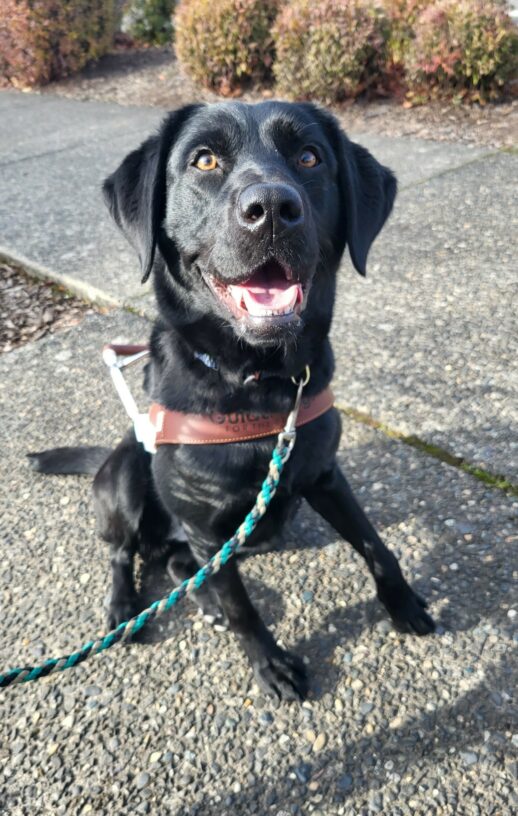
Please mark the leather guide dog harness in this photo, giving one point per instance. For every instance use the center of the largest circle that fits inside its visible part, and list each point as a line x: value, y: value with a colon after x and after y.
x: 160, y: 426
x: 175, y: 428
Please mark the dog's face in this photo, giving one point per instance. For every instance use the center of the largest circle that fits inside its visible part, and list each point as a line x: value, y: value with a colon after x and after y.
x: 250, y: 207
x: 257, y: 205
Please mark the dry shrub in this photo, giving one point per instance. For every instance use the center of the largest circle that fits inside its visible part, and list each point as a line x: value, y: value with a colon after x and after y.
x: 330, y: 49
x: 402, y: 15
x: 467, y: 48
x: 226, y: 44
x: 42, y: 40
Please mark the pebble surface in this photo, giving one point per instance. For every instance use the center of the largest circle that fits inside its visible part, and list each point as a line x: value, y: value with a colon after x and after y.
x: 175, y: 724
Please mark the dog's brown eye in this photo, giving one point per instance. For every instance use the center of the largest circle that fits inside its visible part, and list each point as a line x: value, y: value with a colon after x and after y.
x: 308, y: 158
x: 206, y: 161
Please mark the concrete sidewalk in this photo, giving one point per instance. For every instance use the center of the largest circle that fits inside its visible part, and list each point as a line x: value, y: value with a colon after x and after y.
x: 426, y: 345
x: 174, y: 725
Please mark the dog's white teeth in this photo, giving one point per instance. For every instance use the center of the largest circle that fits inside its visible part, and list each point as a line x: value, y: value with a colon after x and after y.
x: 255, y: 310
x: 269, y: 312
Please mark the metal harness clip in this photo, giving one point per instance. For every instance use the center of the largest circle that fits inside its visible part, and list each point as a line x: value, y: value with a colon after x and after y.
x: 289, y: 434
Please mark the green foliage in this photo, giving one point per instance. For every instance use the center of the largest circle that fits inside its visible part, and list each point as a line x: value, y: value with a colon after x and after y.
x: 402, y: 15
x: 149, y: 21
x: 330, y: 49
x: 42, y: 40
x: 467, y: 48
x: 225, y: 44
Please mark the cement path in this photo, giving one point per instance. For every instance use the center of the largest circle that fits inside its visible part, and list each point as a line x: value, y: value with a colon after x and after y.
x: 174, y: 724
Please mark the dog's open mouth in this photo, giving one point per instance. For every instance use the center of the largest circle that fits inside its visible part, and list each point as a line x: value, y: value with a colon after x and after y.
x: 270, y: 293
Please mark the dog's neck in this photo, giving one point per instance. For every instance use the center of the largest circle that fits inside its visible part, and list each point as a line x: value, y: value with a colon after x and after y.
x: 184, y: 376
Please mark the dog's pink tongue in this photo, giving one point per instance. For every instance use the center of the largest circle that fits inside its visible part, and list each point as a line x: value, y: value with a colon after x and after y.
x: 260, y: 298
x: 272, y: 297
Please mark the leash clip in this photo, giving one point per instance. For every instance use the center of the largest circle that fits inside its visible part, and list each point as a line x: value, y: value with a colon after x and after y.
x: 288, y: 435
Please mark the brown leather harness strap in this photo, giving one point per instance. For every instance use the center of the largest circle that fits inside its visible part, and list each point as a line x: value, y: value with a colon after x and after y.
x: 176, y: 428
x: 163, y: 427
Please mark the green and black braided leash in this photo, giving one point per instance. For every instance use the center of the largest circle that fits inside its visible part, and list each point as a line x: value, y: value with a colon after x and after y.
x: 125, y: 630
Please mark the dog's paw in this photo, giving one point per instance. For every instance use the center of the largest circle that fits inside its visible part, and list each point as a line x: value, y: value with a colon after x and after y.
x: 407, y: 610
x: 121, y: 610
x: 281, y: 674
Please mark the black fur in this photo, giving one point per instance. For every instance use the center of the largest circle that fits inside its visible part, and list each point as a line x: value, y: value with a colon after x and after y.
x: 69, y: 460
x: 187, y: 227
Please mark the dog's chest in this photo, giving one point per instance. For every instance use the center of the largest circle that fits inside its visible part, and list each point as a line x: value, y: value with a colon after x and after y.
x: 206, y: 484
x: 213, y: 487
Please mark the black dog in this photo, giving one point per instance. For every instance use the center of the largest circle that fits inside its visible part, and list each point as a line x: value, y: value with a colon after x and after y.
x: 242, y: 213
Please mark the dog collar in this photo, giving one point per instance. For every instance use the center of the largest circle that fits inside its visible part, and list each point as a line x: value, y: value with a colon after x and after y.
x: 211, y: 363
x: 207, y: 360
x: 177, y: 428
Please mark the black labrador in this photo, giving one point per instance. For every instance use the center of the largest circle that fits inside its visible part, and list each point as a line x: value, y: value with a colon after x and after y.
x: 242, y: 214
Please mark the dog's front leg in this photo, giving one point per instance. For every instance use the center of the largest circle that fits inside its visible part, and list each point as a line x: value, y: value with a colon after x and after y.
x: 276, y: 671
x: 332, y: 497
x: 123, y: 602
x: 119, y: 499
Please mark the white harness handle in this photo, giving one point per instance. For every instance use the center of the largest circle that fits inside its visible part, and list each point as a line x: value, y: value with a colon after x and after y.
x: 145, y: 432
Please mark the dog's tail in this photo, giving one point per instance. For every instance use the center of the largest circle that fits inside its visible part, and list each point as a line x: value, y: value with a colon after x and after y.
x: 69, y: 460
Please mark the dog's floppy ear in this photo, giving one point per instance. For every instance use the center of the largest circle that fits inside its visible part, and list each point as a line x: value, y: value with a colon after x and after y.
x: 136, y: 192
x: 367, y: 191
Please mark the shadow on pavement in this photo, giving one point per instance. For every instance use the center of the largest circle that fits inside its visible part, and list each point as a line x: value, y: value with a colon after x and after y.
x: 439, y: 733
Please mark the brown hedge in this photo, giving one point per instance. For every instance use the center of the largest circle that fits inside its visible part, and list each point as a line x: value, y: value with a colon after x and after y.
x: 330, y: 49
x: 464, y: 48
x: 226, y: 44
x: 42, y: 40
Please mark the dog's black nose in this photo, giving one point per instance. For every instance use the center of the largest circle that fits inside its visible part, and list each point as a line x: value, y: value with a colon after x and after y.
x: 275, y: 207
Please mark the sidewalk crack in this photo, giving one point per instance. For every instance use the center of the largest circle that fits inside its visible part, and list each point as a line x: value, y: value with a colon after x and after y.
x: 448, y: 170
x: 493, y: 480
x: 40, y: 155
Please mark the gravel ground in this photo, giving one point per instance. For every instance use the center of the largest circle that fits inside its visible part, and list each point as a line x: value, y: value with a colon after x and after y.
x: 174, y: 724
x: 151, y: 77
x: 31, y: 309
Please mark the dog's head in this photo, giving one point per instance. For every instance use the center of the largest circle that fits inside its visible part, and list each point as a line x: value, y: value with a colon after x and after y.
x: 244, y: 211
